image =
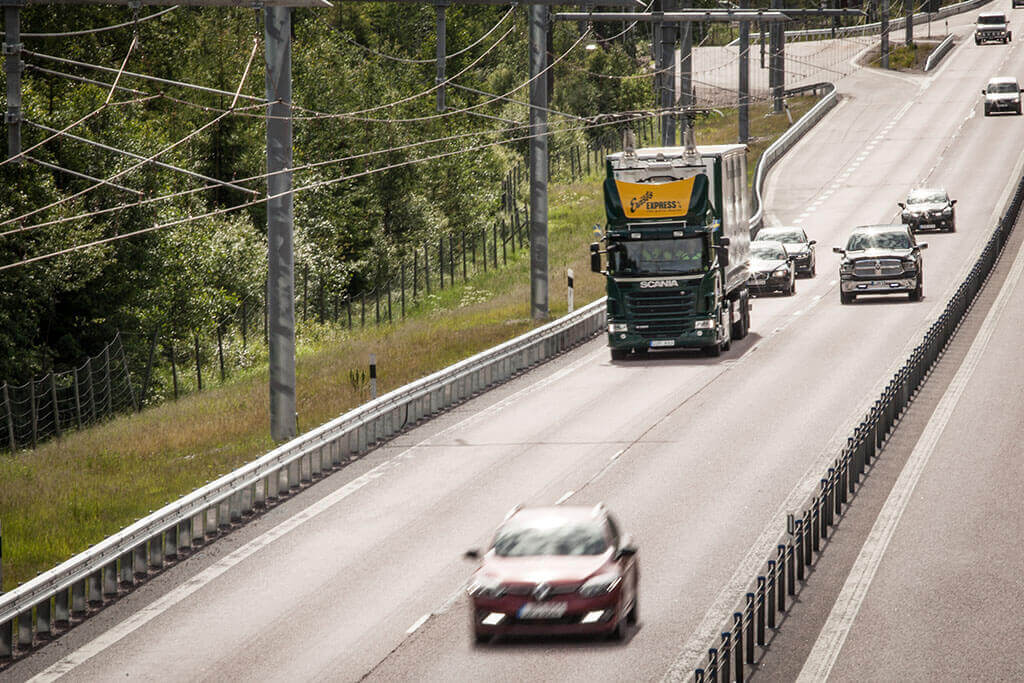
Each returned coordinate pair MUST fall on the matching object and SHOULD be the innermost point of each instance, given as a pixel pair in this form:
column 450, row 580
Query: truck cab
column 677, row 247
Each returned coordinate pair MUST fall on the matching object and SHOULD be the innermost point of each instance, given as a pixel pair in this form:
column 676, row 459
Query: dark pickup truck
column 880, row 259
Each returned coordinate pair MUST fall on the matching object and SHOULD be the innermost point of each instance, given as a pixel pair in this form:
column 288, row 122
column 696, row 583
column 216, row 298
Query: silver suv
column 992, row 27
column 1002, row 93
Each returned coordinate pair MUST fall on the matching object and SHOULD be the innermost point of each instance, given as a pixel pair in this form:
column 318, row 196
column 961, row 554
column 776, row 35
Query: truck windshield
column 650, row 257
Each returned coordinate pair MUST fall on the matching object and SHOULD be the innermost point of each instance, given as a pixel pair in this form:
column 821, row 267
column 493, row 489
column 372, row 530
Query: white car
column 1002, row 94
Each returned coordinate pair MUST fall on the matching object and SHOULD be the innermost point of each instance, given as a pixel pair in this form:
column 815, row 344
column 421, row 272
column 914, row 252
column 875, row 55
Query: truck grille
column 660, row 313
column 875, row 268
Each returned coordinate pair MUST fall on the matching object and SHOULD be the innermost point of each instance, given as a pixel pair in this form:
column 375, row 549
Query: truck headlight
column 705, row 324
column 617, row 327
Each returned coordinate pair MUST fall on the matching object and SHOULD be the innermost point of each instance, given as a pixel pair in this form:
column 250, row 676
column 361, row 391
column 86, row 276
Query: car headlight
column 618, row 327
column 780, row 274
column 602, row 583
column 909, row 265
column 845, row 268
column 704, row 324
column 948, row 211
column 486, row 587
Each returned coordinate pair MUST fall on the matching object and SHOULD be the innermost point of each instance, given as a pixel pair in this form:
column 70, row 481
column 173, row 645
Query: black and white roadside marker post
column 570, row 290
column 373, row 375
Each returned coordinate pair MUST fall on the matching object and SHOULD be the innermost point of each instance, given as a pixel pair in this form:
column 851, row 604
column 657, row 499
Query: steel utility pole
column 685, row 95
column 777, row 61
column 12, row 68
column 909, row 24
column 744, row 78
column 280, row 220
column 442, row 40
column 538, row 17
column 884, row 49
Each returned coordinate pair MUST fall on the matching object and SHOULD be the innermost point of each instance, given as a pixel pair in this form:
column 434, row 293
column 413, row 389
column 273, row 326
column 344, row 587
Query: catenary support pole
column 538, row 162
column 667, row 98
column 442, row 40
column 909, row 25
column 884, row 48
column 280, row 216
column 12, row 68
column 685, row 95
column 744, row 78
column 777, row 61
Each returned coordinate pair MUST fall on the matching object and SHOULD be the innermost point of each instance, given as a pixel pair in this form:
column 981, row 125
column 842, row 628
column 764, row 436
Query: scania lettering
column 676, row 244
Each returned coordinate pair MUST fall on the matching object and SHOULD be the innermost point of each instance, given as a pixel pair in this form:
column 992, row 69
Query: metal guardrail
column 785, row 142
column 797, row 549
column 57, row 598
column 938, row 53
column 65, row 594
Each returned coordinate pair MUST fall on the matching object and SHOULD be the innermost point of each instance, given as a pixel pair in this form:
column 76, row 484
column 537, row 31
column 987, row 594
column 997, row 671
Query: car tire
column 480, row 638
column 792, row 286
column 918, row 292
column 633, row 616
column 988, row 112
column 814, row 269
column 952, row 226
column 619, row 354
column 619, row 632
column 847, row 297
column 1018, row 110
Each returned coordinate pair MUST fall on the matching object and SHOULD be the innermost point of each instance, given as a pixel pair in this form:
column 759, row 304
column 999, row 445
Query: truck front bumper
column 694, row 339
column 880, row 286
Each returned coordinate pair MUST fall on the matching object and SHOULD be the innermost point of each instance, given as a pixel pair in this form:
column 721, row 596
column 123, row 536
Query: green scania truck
column 677, row 245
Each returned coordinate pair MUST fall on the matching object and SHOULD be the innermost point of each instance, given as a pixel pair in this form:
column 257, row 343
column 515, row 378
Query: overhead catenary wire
column 84, row 176
column 126, row 171
column 101, row 29
column 406, row 60
column 295, row 190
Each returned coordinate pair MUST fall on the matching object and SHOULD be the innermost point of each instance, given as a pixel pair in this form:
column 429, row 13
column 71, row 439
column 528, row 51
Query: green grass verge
column 70, row 493
column 902, row 57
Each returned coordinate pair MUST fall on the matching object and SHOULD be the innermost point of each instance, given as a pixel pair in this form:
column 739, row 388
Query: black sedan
column 796, row 244
column 771, row 268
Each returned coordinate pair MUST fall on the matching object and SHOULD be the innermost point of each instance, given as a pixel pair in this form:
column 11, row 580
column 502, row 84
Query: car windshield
column 1003, row 87
column 784, row 236
column 767, row 251
column 896, row 239
column 561, row 538
column 661, row 257
column 927, row 197
column 997, row 19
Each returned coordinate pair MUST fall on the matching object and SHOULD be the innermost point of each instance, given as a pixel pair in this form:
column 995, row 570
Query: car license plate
column 663, row 342
column 928, row 226
column 542, row 610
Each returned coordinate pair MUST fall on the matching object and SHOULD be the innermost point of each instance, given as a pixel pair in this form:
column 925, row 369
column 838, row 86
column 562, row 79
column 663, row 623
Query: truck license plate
column 663, row 342
column 542, row 610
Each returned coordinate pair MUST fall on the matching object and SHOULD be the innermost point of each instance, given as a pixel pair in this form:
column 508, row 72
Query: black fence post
column 749, row 616
column 78, row 397
column 56, row 406
column 737, row 627
column 726, row 656
column 770, row 593
column 760, row 610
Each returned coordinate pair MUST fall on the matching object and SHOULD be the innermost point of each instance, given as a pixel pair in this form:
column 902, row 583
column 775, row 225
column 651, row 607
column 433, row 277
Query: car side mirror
column 953, row 201
column 984, row 93
column 922, row 245
column 472, row 554
column 839, row 250
column 595, row 257
column 812, row 243
column 625, row 551
column 901, row 205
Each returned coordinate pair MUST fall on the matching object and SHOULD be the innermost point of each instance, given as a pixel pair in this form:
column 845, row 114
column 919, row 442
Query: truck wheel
column 742, row 326
column 847, row 297
column 619, row 354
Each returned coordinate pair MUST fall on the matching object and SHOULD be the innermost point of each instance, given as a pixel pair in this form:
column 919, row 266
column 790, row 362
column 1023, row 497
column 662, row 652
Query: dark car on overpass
column 555, row 570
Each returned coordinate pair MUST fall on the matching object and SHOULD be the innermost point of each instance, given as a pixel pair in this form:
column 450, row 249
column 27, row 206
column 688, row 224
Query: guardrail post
column 726, row 675
column 44, row 620
column 94, row 589
column 770, row 586
column 6, row 639
column 126, row 573
column 78, row 598
column 737, row 627
column 25, row 630
column 184, row 537
column 156, row 552
column 760, row 610
column 109, row 579
column 235, row 507
column 799, row 549
column 171, row 542
column 61, row 609
column 781, row 583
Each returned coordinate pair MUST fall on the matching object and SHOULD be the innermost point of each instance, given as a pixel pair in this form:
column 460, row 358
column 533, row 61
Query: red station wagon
column 554, row 571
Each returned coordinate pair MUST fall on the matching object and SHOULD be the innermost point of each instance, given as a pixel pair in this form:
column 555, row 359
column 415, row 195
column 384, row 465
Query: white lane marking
column 565, row 496
column 618, row 453
column 419, row 622
column 169, row 600
column 832, row 283
column 796, row 313
column 833, row 634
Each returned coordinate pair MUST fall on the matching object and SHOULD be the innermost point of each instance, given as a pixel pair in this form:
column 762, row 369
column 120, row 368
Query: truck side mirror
column 595, row 257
